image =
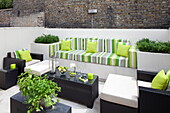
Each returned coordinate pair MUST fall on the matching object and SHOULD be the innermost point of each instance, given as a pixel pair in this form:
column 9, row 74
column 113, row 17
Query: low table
column 75, row 90
column 18, row 106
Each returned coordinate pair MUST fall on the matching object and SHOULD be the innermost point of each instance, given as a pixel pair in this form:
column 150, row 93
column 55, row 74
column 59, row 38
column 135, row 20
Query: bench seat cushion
column 120, row 89
column 98, row 58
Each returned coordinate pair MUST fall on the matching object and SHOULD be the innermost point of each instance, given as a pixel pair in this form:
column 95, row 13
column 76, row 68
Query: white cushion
column 39, row 68
column 144, row 84
column 34, row 61
column 120, row 89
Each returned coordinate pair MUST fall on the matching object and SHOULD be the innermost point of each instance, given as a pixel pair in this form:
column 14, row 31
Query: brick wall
column 111, row 13
column 74, row 13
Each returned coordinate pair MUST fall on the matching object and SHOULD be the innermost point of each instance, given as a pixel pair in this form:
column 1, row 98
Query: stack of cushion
column 116, row 52
column 24, row 54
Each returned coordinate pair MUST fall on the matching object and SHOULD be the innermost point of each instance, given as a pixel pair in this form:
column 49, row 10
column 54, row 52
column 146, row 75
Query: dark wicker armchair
column 152, row 100
column 20, row 63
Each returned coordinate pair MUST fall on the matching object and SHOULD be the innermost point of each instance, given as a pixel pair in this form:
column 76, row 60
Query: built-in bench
column 105, row 57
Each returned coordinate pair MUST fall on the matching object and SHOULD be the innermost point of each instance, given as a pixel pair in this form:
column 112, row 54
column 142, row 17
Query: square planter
column 153, row 62
column 17, row 105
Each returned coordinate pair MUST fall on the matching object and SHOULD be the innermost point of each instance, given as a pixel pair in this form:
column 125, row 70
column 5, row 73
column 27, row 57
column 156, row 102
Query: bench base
column 108, row 107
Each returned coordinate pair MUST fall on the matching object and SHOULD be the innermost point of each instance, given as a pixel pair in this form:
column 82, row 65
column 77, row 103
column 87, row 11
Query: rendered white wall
column 17, row 38
column 132, row 34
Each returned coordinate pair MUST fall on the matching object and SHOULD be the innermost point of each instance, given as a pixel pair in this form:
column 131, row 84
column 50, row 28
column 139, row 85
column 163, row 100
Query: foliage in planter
column 4, row 4
column 47, row 39
column 147, row 45
column 38, row 89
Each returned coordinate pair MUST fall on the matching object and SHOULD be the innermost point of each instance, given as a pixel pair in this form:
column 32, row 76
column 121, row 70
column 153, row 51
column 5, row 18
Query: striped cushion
column 16, row 54
column 99, row 58
column 53, row 48
column 66, row 54
column 110, row 45
column 80, row 43
column 132, row 57
column 76, row 43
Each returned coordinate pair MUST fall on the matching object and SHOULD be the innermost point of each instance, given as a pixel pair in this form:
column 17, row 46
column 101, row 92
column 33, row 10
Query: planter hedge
column 147, row 45
column 4, row 4
column 47, row 39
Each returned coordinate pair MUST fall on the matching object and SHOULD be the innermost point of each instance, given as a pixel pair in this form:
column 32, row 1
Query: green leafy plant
column 46, row 39
column 147, row 45
column 38, row 90
column 4, row 4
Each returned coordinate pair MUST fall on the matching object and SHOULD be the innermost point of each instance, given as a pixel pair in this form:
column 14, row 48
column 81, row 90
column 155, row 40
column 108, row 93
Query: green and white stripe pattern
column 132, row 57
column 16, row 53
column 110, row 45
column 53, row 48
column 105, row 55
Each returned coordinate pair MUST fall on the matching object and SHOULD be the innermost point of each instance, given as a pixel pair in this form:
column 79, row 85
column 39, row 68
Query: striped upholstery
column 110, row 45
column 132, row 58
column 16, row 54
column 53, row 48
column 105, row 55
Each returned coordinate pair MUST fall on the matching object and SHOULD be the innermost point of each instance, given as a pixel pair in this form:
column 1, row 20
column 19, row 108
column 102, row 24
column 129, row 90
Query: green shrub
column 4, row 4
column 8, row 3
column 39, row 91
column 147, row 45
column 47, row 39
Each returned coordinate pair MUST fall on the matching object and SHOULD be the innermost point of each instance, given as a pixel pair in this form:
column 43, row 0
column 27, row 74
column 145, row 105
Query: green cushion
column 123, row 50
column 65, row 45
column 168, row 74
column 91, row 47
column 17, row 55
column 160, row 81
column 25, row 55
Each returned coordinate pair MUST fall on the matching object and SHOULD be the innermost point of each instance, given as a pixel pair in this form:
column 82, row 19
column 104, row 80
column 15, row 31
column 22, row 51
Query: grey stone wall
column 27, row 7
column 5, row 16
column 32, row 20
column 111, row 13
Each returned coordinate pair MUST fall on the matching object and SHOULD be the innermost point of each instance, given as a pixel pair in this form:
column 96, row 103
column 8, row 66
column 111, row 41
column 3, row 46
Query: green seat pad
column 160, row 81
column 25, row 55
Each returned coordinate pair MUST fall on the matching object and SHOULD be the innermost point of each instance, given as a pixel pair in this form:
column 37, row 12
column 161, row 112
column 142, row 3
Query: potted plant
column 38, row 90
column 153, row 55
column 41, row 44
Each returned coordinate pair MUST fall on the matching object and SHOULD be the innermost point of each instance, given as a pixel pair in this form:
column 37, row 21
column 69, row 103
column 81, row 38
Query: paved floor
column 76, row 108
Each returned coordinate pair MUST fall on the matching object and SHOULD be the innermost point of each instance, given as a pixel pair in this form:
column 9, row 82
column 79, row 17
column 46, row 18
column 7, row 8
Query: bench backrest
column 104, row 45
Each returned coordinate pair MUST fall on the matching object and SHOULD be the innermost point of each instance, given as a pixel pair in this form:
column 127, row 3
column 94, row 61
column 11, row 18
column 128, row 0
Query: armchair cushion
column 34, row 61
column 25, row 55
column 160, row 81
column 16, row 53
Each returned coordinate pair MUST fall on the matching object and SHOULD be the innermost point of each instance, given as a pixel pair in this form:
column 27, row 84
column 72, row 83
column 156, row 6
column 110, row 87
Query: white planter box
column 153, row 62
column 41, row 48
